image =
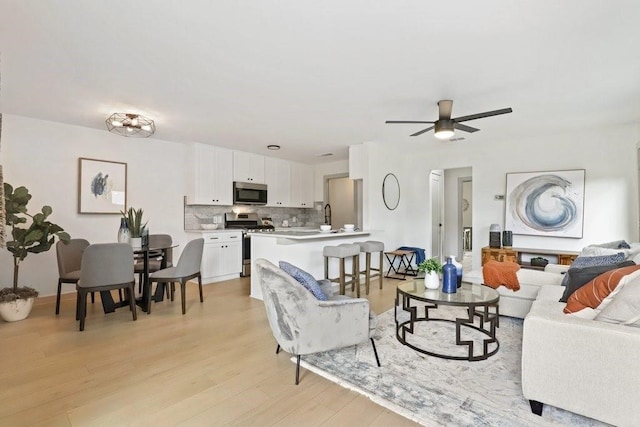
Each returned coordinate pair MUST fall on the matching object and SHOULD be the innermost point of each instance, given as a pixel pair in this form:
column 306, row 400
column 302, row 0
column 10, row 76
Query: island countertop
column 298, row 236
column 302, row 248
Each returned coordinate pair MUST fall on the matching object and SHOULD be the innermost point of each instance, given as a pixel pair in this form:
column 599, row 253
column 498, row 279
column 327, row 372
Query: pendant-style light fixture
column 127, row 124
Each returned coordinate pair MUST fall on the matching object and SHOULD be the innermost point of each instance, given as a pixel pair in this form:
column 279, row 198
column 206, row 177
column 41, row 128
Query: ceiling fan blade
column 444, row 108
column 464, row 127
column 422, row 131
column 404, row 121
column 481, row 115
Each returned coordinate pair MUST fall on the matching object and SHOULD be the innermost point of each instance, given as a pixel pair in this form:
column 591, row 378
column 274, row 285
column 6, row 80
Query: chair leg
column 367, row 272
column 200, row 286
column 82, row 296
column 380, row 268
column 298, row 370
column 183, row 294
column 93, row 297
column 355, row 276
column 77, row 304
column 342, row 281
column 58, row 296
column 278, row 349
column 373, row 343
column 132, row 300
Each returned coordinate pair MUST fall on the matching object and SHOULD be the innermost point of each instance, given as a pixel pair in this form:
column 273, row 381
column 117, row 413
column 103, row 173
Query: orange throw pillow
column 594, row 292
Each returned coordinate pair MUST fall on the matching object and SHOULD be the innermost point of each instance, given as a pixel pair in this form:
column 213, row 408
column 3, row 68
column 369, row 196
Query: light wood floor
column 216, row 365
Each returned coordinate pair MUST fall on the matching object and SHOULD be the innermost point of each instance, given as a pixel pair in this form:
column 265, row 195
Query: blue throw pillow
column 305, row 279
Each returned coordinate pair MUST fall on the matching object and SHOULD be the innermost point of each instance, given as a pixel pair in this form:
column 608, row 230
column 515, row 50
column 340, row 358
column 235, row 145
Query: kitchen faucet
column 327, row 213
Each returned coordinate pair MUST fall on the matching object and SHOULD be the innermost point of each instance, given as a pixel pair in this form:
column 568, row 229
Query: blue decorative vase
column 458, row 266
column 449, row 277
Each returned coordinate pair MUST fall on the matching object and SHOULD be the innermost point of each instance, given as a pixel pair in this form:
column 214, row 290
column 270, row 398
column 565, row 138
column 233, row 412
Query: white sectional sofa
column 584, row 366
column 518, row 303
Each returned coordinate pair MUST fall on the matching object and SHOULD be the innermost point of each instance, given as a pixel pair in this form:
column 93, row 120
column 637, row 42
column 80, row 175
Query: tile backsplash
column 194, row 215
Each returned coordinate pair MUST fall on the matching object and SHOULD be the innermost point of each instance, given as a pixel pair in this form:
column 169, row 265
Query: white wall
column 611, row 189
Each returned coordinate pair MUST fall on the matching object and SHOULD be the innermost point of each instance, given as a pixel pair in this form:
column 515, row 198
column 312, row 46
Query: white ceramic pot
column 431, row 280
column 16, row 310
column 135, row 242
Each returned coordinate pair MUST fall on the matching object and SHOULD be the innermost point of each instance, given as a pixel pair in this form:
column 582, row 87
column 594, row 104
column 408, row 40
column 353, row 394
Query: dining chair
column 69, row 260
column 156, row 257
column 105, row 266
column 188, row 267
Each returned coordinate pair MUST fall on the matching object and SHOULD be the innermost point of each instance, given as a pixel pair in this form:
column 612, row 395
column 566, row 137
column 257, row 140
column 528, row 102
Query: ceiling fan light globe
column 443, row 129
column 444, row 134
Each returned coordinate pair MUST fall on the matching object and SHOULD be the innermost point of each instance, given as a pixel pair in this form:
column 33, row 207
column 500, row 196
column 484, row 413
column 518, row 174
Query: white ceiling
column 318, row 76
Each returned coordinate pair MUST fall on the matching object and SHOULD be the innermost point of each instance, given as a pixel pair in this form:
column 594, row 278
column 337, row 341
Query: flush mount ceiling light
column 127, row 124
column 273, row 147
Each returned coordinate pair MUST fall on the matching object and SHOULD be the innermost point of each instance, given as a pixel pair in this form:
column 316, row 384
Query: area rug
column 439, row 392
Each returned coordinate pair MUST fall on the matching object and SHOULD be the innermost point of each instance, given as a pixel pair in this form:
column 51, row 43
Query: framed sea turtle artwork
column 102, row 186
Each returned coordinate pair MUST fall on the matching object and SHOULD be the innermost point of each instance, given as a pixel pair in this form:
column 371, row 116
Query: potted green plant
column 431, row 267
column 133, row 217
column 36, row 236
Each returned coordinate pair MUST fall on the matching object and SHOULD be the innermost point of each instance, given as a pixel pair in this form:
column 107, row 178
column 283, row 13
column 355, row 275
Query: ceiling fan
column 445, row 125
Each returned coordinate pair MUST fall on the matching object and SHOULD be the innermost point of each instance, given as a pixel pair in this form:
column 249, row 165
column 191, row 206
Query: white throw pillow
column 624, row 308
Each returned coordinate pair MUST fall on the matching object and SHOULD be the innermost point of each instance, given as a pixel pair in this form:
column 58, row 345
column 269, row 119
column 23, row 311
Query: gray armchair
column 302, row 324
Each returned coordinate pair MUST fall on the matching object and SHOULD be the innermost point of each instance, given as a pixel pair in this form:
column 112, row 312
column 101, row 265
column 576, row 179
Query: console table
column 515, row 255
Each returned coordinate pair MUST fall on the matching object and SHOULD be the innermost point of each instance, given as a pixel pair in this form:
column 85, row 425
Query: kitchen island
column 301, row 248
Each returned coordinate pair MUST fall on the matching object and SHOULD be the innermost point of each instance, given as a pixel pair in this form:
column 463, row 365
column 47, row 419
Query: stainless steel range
column 249, row 223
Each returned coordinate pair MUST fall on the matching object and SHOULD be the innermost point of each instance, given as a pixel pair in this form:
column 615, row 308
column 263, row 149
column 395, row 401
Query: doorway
column 452, row 213
column 343, row 201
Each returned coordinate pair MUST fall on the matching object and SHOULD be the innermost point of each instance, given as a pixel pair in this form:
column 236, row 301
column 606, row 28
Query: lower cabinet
column 221, row 257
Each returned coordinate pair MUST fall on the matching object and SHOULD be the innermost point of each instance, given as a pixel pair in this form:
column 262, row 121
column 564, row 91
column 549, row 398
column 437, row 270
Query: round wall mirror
column 391, row 191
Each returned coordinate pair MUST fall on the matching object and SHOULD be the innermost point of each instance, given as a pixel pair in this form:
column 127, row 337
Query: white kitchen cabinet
column 222, row 256
column 211, row 176
column 301, row 186
column 277, row 174
column 248, row 167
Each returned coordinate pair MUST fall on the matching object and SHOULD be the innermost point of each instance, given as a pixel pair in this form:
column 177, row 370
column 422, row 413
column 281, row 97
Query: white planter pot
column 16, row 310
column 135, row 242
column 431, row 280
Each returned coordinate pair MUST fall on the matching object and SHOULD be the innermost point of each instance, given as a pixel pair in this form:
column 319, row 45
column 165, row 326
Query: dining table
column 144, row 253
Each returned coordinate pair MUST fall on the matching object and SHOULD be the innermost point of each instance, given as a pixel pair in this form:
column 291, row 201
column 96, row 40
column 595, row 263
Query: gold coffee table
column 481, row 303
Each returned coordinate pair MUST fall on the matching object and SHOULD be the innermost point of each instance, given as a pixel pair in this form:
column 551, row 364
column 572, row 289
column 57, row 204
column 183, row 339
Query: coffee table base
column 489, row 321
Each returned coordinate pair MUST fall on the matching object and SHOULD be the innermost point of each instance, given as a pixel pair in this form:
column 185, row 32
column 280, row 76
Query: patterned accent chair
column 302, row 324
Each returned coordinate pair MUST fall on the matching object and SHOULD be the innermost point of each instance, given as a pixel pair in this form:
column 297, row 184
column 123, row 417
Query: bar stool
column 368, row 248
column 342, row 252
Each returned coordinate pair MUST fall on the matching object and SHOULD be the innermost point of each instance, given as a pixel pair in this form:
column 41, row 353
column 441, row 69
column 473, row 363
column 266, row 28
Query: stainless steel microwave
column 248, row 193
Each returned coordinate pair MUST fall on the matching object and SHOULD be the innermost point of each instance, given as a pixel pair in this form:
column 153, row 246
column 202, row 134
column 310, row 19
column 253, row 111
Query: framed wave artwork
column 545, row 203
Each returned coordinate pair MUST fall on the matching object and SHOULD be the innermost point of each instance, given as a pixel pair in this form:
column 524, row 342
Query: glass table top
column 466, row 294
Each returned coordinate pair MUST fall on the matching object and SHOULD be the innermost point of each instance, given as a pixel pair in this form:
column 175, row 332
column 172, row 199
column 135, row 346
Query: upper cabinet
column 248, row 167
column 211, row 181
column 301, row 185
column 277, row 174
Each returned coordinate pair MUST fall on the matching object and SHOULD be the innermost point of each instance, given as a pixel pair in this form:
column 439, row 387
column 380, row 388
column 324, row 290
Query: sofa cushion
column 578, row 277
column 625, row 307
column 305, row 279
column 598, row 292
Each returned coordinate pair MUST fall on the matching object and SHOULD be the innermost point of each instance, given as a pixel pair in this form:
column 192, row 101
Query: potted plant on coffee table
column 431, row 267
column 133, row 217
column 30, row 234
